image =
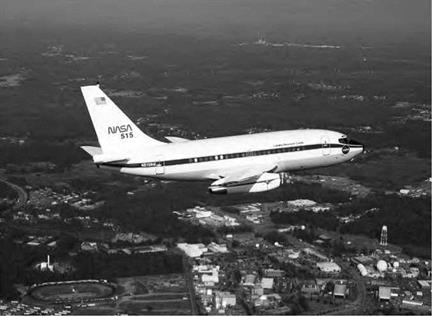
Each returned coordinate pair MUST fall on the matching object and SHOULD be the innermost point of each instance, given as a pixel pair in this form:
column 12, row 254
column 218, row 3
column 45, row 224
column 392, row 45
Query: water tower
column 384, row 236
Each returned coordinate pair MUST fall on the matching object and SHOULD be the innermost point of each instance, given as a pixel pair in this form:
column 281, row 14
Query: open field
column 154, row 294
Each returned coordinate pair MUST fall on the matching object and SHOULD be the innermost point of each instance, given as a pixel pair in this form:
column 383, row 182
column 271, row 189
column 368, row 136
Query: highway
column 22, row 194
column 190, row 285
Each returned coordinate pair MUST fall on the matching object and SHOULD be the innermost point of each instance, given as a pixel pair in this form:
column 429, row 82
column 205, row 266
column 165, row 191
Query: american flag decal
column 100, row 101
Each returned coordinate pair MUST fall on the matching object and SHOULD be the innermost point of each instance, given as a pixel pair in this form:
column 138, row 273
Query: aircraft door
column 159, row 167
column 326, row 147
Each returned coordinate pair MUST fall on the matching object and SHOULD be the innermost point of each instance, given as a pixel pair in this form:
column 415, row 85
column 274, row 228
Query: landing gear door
column 159, row 167
column 326, row 147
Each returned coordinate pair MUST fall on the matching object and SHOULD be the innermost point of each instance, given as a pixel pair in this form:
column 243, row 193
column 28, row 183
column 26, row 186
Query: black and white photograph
column 215, row 157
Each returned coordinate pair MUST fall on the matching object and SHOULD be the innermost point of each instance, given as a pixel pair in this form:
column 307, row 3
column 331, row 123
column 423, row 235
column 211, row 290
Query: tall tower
column 384, row 236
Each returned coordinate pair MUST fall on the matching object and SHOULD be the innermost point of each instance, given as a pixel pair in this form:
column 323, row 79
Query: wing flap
column 242, row 175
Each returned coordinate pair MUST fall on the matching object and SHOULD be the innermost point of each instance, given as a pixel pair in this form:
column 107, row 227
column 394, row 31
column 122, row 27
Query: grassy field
column 154, row 294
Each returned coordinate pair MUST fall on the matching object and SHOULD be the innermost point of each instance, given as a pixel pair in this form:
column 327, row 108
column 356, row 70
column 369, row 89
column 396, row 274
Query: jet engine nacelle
column 265, row 182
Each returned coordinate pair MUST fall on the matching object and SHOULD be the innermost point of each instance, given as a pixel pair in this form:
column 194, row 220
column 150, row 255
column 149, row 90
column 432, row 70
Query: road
column 22, row 194
column 190, row 285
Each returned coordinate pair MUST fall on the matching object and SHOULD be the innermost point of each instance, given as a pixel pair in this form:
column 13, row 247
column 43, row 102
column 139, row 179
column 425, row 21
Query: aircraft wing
column 176, row 139
column 225, row 177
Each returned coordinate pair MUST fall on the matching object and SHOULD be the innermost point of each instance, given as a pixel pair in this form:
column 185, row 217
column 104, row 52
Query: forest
column 408, row 220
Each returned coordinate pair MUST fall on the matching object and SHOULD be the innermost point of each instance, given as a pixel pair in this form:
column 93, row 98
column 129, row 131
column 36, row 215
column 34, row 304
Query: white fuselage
column 203, row 159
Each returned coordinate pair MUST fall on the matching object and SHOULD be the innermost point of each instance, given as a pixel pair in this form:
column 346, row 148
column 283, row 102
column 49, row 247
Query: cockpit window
column 350, row 142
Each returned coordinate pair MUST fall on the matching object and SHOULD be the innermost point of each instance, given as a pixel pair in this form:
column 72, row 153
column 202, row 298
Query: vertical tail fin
column 115, row 131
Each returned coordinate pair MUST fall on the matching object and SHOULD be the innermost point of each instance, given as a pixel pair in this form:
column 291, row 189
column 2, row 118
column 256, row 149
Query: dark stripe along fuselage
column 218, row 157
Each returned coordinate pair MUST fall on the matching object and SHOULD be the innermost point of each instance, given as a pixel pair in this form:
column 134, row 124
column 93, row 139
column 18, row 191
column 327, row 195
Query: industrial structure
column 384, row 236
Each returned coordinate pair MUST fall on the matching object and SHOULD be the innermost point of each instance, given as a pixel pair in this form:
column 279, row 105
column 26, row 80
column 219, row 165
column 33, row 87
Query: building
column 426, row 284
column 267, row 283
column 315, row 253
column 325, row 238
column 257, row 290
column 409, row 304
column 362, row 269
column 213, row 278
column 384, row 293
column 404, row 191
column 340, row 290
column 204, row 269
column 262, row 301
column 192, row 250
column 217, row 248
column 224, row 299
column 329, row 267
column 301, row 203
column 273, row 273
column 310, row 289
column 89, row 246
column 249, row 280
column 45, row 266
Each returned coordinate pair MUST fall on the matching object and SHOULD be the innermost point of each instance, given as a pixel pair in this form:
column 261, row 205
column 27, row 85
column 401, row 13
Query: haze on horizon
column 334, row 21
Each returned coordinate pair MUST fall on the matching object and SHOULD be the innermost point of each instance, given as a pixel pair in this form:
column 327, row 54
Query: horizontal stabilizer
column 99, row 157
column 92, row 150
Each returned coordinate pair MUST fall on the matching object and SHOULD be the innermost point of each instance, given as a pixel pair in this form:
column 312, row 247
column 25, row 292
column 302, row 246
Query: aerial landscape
column 348, row 239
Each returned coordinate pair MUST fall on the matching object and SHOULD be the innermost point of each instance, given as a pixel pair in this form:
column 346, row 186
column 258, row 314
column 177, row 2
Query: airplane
column 233, row 164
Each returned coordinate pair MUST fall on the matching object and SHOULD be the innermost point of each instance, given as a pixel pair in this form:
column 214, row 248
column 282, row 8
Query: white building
column 45, row 266
column 302, row 203
column 224, row 299
column 192, row 250
column 217, row 248
column 317, row 209
column 89, row 246
column 404, row 191
column 329, row 267
column 362, row 269
column 384, row 293
column 340, row 290
column 213, row 277
column 267, row 283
